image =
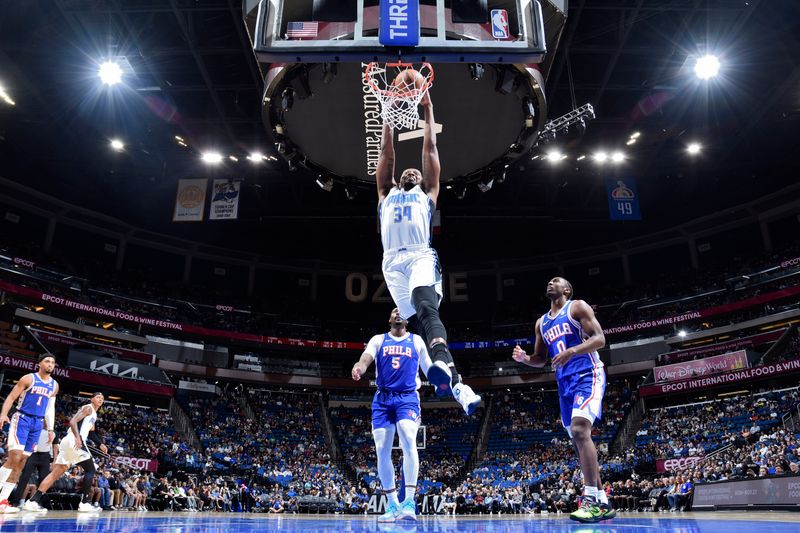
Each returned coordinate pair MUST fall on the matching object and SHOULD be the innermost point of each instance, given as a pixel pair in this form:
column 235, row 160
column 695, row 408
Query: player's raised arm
column 431, row 169
column 384, row 175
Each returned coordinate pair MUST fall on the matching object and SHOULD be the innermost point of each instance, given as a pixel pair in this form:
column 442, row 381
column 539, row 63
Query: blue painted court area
column 182, row 523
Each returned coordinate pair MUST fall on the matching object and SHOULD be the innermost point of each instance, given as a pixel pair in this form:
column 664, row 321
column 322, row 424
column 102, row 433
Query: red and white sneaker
column 7, row 508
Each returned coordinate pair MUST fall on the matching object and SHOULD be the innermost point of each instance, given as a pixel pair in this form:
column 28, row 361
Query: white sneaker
column 88, row 508
column 10, row 509
column 464, row 395
column 33, row 507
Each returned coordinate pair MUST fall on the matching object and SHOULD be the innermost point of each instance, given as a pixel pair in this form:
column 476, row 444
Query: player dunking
column 570, row 336
column 398, row 356
column 36, row 393
column 72, row 451
column 410, row 265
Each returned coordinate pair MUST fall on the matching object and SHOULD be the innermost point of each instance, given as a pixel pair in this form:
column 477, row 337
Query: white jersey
column 405, row 218
column 67, row 453
column 87, row 424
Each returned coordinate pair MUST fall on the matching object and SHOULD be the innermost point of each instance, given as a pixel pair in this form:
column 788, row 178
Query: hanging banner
column 623, row 201
column 190, row 201
column 225, row 200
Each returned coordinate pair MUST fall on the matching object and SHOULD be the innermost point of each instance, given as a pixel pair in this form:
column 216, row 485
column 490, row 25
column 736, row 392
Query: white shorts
column 405, row 269
column 68, row 455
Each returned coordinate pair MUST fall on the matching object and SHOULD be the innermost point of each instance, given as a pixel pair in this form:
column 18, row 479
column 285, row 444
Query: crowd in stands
column 138, row 293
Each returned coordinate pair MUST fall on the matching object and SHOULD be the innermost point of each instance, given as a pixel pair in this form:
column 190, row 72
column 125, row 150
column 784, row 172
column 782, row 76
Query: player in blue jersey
column 398, row 356
column 569, row 336
column 35, row 396
column 410, row 265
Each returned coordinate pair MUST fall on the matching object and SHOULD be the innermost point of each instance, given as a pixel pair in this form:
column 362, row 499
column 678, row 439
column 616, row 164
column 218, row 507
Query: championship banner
column 63, row 341
column 190, row 201
column 151, row 465
column 759, row 372
column 701, row 367
column 738, row 344
column 89, row 378
column 670, row 465
column 225, row 200
column 623, row 201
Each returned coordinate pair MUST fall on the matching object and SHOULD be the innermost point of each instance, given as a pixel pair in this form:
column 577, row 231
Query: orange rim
column 396, row 94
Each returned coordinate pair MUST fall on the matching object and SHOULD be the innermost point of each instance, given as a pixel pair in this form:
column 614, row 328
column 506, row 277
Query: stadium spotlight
column 255, row 157
column 476, row 71
column 325, row 183
column 110, row 73
column 707, row 67
column 117, row 145
column 635, row 135
column 4, row 96
column 211, row 158
column 694, row 148
column 682, row 333
column 554, row 156
column 600, row 157
column 617, row 157
column 631, row 141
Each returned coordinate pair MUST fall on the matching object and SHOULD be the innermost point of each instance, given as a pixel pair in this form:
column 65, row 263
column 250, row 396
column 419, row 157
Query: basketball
column 408, row 80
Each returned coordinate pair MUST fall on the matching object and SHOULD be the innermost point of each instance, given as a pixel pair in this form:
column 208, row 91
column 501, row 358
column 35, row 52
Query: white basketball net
column 398, row 102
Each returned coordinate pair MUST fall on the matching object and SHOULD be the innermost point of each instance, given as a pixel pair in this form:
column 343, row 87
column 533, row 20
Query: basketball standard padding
column 408, row 80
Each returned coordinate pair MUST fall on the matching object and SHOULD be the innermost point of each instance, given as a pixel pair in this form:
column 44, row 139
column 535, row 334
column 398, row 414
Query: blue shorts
column 23, row 433
column 388, row 408
column 581, row 395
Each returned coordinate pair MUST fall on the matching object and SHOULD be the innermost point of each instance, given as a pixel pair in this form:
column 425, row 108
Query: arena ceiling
column 190, row 72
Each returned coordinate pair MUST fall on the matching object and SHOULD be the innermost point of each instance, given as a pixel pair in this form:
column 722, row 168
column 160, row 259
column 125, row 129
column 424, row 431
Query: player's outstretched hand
column 357, row 372
column 78, row 443
column 4, row 420
column 519, row 355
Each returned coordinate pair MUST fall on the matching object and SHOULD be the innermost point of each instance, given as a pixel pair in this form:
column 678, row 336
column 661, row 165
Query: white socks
column 407, row 430
column 6, row 491
column 4, row 473
column 393, row 498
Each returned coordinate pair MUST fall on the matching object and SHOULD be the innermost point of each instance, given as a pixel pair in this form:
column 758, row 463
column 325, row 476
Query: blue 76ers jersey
column 33, row 401
column 564, row 332
column 397, row 364
column 405, row 218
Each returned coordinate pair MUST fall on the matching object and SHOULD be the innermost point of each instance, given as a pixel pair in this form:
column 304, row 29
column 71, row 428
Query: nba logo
column 500, row 24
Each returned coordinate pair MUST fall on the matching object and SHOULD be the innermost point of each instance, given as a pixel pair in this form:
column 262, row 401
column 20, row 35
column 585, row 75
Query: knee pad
column 426, row 304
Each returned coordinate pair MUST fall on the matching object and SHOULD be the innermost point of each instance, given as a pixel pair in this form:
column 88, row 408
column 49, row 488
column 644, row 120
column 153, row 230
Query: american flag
column 302, row 29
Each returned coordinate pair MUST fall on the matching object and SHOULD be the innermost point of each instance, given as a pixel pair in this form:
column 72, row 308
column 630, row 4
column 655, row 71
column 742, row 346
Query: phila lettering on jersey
column 396, row 361
column 562, row 332
column 33, row 402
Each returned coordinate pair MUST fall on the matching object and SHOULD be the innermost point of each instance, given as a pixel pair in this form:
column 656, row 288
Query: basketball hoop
column 399, row 87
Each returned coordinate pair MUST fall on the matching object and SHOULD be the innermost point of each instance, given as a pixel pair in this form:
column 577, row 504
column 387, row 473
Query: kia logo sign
column 113, row 369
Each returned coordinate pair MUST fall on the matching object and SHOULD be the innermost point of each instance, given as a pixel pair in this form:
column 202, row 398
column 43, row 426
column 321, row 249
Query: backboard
column 490, row 31
column 488, row 91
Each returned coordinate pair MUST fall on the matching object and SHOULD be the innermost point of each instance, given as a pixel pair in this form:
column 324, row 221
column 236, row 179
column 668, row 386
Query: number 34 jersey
column 405, row 218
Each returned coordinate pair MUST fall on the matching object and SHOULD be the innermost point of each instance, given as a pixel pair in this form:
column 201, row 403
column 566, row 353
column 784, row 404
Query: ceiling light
column 233, row 158
column 601, row 157
column 682, row 333
column 212, row 158
column 617, row 157
column 635, row 135
column 694, row 148
column 631, row 141
column 179, row 138
column 581, row 157
column 707, row 67
column 554, row 156
column 4, row 96
column 255, row 157
column 117, row 145
column 110, row 73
